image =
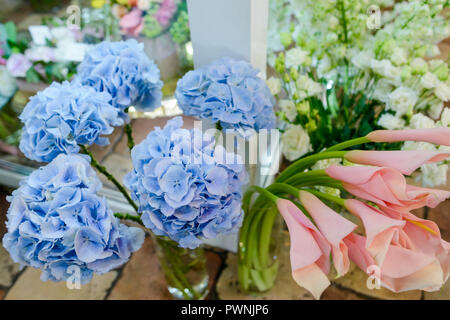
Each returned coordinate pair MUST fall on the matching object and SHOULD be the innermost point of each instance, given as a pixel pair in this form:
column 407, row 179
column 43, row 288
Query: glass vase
column 184, row 269
column 259, row 251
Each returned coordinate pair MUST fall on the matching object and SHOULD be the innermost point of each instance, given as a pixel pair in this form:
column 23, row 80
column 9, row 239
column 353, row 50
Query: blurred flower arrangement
column 346, row 68
column 150, row 18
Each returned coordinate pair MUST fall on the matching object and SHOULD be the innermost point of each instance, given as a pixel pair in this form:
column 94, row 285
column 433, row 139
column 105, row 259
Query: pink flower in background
column 309, row 252
column 165, row 12
column 132, row 23
column 18, row 65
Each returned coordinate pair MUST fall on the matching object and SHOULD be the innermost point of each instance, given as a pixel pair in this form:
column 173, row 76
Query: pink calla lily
column 332, row 226
column 404, row 161
column 439, row 135
column 309, row 251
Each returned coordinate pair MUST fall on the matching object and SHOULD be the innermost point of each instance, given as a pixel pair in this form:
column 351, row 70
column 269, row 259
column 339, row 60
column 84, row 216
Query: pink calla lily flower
column 386, row 187
column 332, row 226
column 309, row 251
column 439, row 135
column 132, row 23
column 404, row 161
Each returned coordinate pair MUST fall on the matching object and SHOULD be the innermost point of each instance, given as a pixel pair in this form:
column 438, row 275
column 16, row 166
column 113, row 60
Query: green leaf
column 11, row 32
column 32, row 76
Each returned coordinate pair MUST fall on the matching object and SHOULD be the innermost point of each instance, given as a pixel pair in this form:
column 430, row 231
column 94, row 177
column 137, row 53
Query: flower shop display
column 341, row 73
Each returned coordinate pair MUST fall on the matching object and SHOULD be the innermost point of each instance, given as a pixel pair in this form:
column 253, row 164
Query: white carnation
column 401, row 100
column 390, row 122
column 295, row 143
column 289, row 109
column 274, row 85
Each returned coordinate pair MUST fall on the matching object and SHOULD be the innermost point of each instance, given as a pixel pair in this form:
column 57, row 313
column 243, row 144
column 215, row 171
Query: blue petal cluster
column 57, row 222
column 124, row 71
column 59, row 118
column 229, row 92
column 187, row 188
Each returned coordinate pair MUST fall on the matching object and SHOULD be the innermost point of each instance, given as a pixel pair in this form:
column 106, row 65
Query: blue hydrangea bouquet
column 186, row 187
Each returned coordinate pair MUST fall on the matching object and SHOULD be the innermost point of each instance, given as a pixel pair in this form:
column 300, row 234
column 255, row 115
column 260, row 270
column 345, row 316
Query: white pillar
column 234, row 28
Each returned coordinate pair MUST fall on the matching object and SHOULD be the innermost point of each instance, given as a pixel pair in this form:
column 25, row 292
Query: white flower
column 289, row 109
column 363, row 60
column 445, row 117
column 436, row 109
column 390, row 122
column 309, row 86
column 419, row 66
column 401, row 100
column 295, row 143
column 41, row 53
column 433, row 174
column 413, row 145
column 62, row 35
column 385, row 69
column 8, row 84
column 399, row 56
column 382, row 90
column 274, row 85
column 326, row 163
column 429, row 80
column 442, row 91
column 295, row 57
column 143, row 5
column 420, row 121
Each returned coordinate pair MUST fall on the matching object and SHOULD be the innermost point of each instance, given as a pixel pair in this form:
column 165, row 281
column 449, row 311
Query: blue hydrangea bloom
column 56, row 221
column 228, row 92
column 59, row 118
column 124, row 71
column 187, row 188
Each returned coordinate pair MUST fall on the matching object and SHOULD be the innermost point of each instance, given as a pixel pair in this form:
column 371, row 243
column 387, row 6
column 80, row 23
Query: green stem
column 127, row 216
column 129, row 132
column 327, row 196
column 348, row 144
column 265, row 193
column 301, row 164
column 109, row 176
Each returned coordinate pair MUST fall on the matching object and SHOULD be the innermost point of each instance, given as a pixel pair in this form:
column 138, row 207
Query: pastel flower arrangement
column 345, row 77
column 149, row 18
column 402, row 251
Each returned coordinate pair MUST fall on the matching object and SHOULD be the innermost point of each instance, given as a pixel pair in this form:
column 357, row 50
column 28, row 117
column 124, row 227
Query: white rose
column 390, row 122
column 399, row 56
column 420, row 121
column 401, row 100
column 274, row 85
column 289, row 109
column 433, row 174
column 429, row 80
column 445, row 117
column 435, row 110
column 295, row 143
column 442, row 91
column 295, row 57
